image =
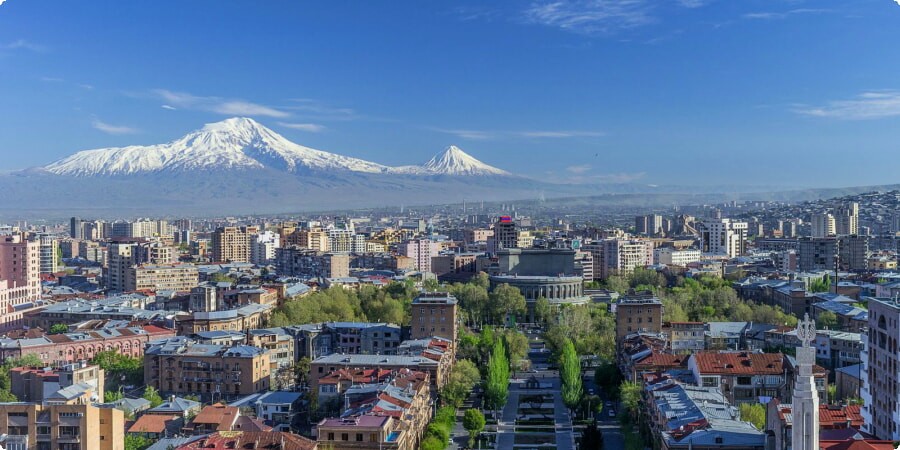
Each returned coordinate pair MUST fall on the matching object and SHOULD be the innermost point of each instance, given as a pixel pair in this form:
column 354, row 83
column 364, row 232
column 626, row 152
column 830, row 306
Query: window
column 359, row 437
column 330, row 436
column 345, row 437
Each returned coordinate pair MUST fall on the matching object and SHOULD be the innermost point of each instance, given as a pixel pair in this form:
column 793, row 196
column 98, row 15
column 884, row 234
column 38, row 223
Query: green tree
column 506, row 303
column 608, row 378
column 301, row 371
column 570, row 375
column 497, row 386
column 136, row 442
column 431, row 285
column 120, row 369
column 617, row 284
column 630, row 395
column 473, row 422
column 591, row 438
column 827, row 319
column 463, row 377
column 432, row 443
column 755, row 413
column 152, row 396
column 112, row 396
column 59, row 328
column 483, row 280
column 542, row 310
column 473, row 300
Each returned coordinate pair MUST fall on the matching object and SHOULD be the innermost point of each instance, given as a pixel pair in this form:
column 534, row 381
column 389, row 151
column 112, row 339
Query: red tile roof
column 866, row 444
column 734, row 363
column 262, row 440
column 222, row 416
column 662, row 360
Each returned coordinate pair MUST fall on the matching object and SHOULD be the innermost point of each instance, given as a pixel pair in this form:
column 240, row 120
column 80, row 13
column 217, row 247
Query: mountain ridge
column 243, row 143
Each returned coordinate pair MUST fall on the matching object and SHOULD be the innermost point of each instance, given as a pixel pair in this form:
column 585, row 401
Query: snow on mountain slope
column 454, row 161
column 236, row 143
column 242, row 143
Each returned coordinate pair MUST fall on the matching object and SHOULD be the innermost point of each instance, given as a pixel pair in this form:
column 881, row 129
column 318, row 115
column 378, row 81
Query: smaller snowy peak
column 454, row 161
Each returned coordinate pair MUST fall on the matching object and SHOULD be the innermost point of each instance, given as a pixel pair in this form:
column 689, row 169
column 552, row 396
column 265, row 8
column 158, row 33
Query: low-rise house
column 741, row 376
column 36, row 384
column 157, row 426
column 212, row 418
column 277, row 409
column 259, row 440
column 178, row 406
column 779, row 421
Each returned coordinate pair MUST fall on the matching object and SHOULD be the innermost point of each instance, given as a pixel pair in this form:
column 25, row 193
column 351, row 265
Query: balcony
column 72, row 438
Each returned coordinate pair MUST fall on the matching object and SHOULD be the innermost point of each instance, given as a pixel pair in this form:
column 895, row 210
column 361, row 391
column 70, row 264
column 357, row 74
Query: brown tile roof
column 734, row 363
column 152, row 423
column 662, row 360
column 867, row 444
column 222, row 416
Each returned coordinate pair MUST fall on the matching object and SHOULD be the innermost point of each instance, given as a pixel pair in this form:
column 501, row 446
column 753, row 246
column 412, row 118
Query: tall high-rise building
column 232, row 244
column 421, row 251
column 723, row 237
column 822, row 225
column 49, row 253
column 20, row 277
column 263, row 246
column 76, row 230
column 505, row 235
column 847, row 219
column 120, row 256
column 618, row 256
column 651, row 224
column 881, row 370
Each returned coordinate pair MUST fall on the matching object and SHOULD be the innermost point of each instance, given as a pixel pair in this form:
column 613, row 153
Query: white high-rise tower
column 805, row 405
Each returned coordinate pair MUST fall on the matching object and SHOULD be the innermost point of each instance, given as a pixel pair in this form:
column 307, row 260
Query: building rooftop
column 732, row 363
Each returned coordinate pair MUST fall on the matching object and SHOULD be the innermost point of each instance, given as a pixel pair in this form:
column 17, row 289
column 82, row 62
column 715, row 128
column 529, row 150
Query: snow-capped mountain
column 236, row 143
column 242, row 143
column 452, row 161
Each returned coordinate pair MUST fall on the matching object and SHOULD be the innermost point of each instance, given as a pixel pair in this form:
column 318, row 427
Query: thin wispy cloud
column 308, row 127
column 169, row 107
column 314, row 109
column 591, row 16
column 219, row 105
column 579, row 169
column 481, row 135
column 868, row 105
column 784, row 14
column 113, row 129
column 22, row 44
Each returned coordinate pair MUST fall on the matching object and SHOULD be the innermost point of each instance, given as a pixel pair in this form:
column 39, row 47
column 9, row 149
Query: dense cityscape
column 457, row 225
column 753, row 325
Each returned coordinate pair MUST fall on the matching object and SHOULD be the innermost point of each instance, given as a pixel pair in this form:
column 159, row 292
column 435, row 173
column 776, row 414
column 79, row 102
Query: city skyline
column 711, row 91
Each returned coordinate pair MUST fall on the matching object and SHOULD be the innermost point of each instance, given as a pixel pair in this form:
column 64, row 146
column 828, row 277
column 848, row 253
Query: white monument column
column 805, row 405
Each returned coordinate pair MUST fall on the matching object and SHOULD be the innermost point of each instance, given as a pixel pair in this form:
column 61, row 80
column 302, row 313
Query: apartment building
column 822, row 225
column 671, row 256
column 420, row 251
column 232, row 244
column 723, row 237
column 63, row 426
column 301, row 262
column 618, row 256
column 20, row 278
column 638, row 315
column 36, row 384
column 67, row 348
column 881, row 370
column 180, row 366
column 173, row 277
column 434, row 314
column 244, row 318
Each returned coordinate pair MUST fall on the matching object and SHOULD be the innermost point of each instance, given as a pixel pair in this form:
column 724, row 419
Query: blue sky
column 746, row 92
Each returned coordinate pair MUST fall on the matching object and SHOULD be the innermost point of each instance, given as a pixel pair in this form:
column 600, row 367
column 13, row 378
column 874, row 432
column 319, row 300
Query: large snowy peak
column 236, row 143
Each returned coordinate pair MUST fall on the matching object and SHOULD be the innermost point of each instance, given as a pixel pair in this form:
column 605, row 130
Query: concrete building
column 820, row 253
column 120, row 256
column 619, row 256
column 505, row 235
column 881, row 370
column 638, row 315
column 421, row 251
column 434, row 314
column 455, row 266
column 37, row 384
column 20, row 278
column 822, row 225
column 723, row 237
column 180, row 366
column 438, row 369
column 232, row 244
column 673, row 257
column 63, row 426
column 300, row 262
column 173, row 277
column 263, row 246
column 847, row 219
column 49, row 253
column 315, row 239
column 649, row 225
